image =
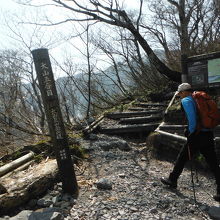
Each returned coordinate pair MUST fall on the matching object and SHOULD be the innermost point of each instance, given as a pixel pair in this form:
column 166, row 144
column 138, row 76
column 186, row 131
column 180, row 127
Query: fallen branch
column 20, row 168
column 16, row 163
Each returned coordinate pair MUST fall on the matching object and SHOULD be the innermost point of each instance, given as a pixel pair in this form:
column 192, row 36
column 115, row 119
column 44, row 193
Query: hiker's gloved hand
column 186, row 132
column 191, row 137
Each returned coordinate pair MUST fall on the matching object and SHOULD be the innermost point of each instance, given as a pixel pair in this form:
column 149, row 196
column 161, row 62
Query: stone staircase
column 138, row 120
column 144, row 118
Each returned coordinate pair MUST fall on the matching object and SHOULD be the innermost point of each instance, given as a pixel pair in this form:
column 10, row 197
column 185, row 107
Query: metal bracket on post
column 55, row 120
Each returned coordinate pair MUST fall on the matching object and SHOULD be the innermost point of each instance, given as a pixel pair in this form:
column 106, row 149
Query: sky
column 9, row 9
column 50, row 37
column 7, row 5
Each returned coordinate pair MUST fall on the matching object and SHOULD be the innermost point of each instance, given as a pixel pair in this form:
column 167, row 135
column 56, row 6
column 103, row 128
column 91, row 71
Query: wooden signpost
column 55, row 120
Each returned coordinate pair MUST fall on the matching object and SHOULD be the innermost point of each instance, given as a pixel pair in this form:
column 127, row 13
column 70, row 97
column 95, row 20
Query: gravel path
column 137, row 193
column 121, row 181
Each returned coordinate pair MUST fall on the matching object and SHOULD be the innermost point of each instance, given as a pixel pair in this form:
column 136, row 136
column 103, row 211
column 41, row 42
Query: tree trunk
column 159, row 65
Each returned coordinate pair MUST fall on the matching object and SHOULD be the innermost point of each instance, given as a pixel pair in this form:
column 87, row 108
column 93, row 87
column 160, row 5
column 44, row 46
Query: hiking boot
column 168, row 182
column 217, row 197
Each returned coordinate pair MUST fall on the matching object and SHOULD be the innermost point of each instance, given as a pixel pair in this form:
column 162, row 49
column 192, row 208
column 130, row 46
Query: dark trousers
column 202, row 142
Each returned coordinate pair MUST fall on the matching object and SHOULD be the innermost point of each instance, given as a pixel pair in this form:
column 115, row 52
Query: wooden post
column 55, row 120
column 184, row 76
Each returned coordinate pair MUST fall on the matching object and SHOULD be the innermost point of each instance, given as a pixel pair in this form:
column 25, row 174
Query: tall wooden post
column 184, row 76
column 55, row 120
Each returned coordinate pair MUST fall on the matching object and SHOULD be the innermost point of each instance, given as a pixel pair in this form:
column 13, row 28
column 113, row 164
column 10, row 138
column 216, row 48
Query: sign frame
column 202, row 70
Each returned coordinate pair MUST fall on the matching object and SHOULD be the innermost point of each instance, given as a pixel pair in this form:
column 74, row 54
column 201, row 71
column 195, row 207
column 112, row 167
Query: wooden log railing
column 93, row 125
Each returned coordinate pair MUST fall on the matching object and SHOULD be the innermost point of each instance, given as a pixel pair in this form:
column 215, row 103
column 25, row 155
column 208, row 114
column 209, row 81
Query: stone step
column 140, row 120
column 118, row 115
column 142, row 104
column 142, row 109
column 129, row 129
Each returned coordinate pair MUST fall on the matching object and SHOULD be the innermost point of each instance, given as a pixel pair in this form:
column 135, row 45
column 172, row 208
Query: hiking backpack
column 208, row 113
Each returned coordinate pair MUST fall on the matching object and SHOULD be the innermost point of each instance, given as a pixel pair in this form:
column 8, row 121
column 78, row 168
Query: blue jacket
column 189, row 107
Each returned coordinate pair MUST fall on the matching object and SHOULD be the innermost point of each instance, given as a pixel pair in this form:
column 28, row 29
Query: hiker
column 198, row 140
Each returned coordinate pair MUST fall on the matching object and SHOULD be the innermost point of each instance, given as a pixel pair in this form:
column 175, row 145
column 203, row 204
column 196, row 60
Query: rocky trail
column 120, row 184
column 120, row 180
column 130, row 188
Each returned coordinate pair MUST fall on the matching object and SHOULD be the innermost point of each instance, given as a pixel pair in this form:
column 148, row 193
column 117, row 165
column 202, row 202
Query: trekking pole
column 197, row 177
column 191, row 168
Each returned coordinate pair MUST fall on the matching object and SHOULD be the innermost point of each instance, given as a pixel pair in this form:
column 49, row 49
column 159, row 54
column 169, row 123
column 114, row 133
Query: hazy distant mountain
column 76, row 96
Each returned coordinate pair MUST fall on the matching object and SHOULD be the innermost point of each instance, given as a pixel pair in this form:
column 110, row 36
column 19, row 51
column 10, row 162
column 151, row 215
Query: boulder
column 41, row 214
column 104, row 184
column 27, row 184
